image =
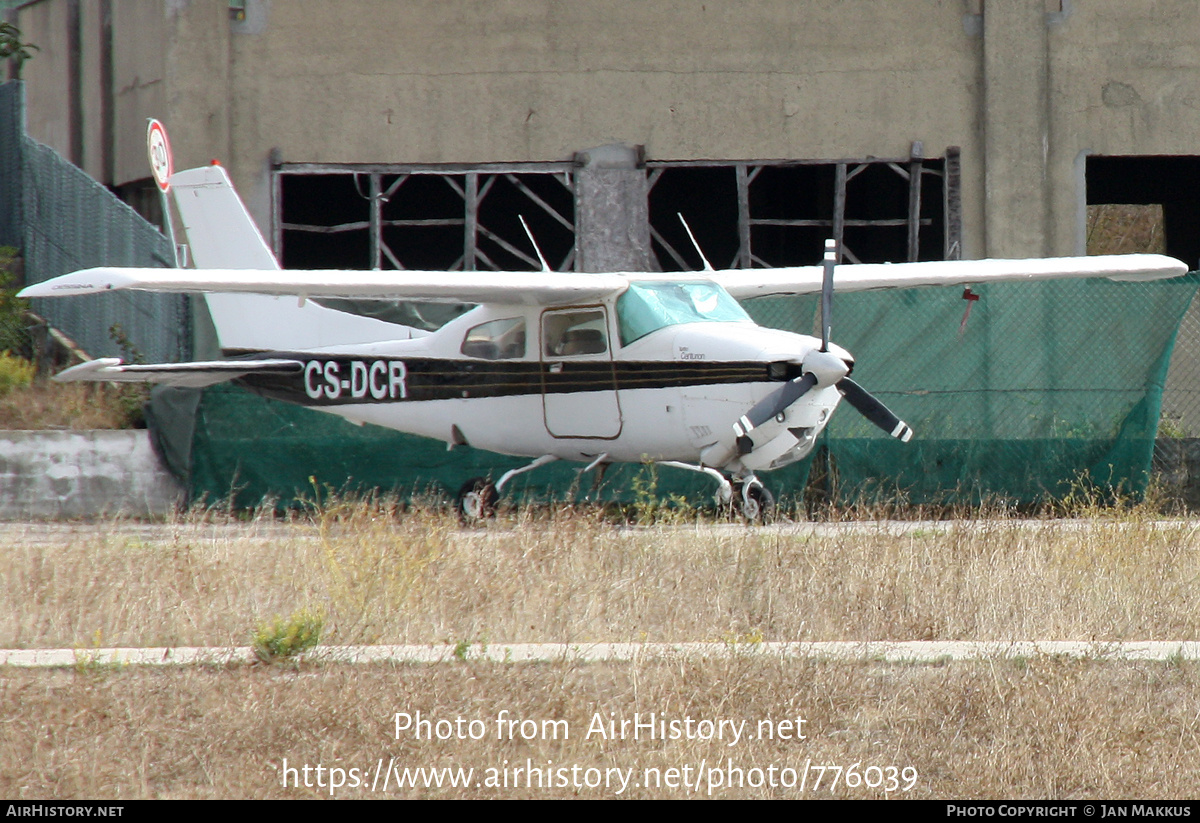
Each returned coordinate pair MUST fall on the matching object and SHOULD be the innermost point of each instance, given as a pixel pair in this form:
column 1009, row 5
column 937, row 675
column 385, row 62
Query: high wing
column 191, row 375
column 744, row 283
column 533, row 288
column 559, row 288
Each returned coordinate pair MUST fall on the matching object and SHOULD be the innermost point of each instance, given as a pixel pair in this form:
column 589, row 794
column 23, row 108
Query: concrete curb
column 891, row 652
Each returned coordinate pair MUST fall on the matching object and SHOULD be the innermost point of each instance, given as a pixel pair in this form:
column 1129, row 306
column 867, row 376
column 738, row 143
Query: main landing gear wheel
column 476, row 501
column 758, row 504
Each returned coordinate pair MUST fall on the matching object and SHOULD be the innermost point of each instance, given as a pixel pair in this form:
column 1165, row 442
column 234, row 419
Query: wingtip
column 86, row 281
column 91, row 370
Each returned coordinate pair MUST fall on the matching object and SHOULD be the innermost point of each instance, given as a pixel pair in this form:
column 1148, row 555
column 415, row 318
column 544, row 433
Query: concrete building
column 371, row 132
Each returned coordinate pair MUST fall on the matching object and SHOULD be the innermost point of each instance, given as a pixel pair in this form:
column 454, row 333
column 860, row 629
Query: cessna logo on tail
column 377, row 379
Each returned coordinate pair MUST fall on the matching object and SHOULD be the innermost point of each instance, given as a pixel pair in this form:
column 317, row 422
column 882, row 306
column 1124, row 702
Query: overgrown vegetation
column 369, row 572
column 12, row 47
column 376, row 574
column 1120, row 228
column 30, row 402
column 15, row 372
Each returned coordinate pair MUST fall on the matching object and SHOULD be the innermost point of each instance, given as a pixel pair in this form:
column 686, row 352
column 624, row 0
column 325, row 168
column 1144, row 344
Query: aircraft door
column 579, row 385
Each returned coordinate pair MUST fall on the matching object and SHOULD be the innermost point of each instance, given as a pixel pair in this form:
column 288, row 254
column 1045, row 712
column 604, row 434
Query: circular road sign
column 162, row 165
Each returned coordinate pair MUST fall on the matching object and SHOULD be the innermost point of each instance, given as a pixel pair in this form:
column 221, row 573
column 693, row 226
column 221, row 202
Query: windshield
column 649, row 306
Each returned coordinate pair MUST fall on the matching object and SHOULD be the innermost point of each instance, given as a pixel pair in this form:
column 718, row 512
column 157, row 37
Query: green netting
column 246, row 449
column 1049, row 383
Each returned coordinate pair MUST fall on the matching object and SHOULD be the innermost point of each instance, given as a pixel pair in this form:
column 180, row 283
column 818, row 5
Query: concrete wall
column 1125, row 81
column 442, row 81
column 82, row 474
column 1027, row 88
column 139, row 83
column 47, row 73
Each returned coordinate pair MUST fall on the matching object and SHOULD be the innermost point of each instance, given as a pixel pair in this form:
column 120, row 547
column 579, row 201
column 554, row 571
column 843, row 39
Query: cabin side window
column 496, row 339
column 570, row 333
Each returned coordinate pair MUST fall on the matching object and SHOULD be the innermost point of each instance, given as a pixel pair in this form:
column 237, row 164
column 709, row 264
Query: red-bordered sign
column 162, row 165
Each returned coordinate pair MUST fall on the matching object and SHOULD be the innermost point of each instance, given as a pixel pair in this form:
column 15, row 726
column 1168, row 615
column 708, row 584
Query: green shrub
column 14, row 326
column 284, row 639
column 15, row 372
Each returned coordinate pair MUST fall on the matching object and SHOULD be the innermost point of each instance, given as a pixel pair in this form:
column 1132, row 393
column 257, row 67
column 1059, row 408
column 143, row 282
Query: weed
column 1171, row 426
column 12, row 49
column 14, row 324
column 644, row 486
column 87, row 661
column 284, row 639
column 746, row 641
column 462, row 649
column 15, row 372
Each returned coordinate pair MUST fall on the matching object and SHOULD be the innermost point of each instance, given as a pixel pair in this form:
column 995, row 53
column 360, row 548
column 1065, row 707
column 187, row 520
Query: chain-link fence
column 63, row 221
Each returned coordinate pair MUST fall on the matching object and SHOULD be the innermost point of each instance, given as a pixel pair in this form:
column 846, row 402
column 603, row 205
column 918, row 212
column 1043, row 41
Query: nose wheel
column 757, row 504
column 476, row 501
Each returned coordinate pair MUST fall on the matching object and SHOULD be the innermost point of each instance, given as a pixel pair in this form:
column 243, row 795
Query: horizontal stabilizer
column 189, row 375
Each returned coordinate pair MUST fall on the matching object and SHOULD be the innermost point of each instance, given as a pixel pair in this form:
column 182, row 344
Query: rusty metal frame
column 911, row 168
column 477, row 181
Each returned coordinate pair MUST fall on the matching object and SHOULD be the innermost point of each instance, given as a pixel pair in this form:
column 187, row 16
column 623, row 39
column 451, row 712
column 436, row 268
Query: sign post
column 162, row 166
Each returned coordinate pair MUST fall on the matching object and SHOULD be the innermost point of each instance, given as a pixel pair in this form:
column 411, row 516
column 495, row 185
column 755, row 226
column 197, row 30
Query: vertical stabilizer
column 222, row 235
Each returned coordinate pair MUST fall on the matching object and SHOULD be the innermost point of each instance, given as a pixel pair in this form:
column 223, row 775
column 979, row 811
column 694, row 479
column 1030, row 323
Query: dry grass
column 75, row 406
column 1038, row 728
column 1126, row 229
column 572, row 577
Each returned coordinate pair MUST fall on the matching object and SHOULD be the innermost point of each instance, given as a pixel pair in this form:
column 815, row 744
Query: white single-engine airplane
column 595, row 368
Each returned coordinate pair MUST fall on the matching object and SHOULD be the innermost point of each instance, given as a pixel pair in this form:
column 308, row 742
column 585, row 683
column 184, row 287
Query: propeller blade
column 873, row 410
column 827, row 264
column 771, row 406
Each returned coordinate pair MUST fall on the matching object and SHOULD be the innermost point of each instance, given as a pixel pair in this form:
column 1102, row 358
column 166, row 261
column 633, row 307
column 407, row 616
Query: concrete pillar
column 612, row 220
column 1016, row 128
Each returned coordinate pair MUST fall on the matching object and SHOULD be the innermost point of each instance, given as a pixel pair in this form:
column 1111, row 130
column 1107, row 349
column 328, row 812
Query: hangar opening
column 743, row 214
column 409, row 217
column 780, row 213
column 1171, row 183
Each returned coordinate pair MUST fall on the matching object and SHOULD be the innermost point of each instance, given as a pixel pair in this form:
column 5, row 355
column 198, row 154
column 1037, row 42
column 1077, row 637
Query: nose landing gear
column 757, row 504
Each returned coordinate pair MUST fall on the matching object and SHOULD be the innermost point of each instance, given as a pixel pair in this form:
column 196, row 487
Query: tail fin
column 222, row 235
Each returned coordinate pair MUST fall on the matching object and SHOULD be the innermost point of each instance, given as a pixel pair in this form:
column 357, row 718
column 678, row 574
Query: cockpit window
column 649, row 306
column 496, row 339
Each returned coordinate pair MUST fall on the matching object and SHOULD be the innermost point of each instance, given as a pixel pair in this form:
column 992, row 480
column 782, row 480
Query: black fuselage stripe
column 342, row 379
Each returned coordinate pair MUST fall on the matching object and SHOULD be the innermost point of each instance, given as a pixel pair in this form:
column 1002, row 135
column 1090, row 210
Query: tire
column 476, row 501
column 758, row 504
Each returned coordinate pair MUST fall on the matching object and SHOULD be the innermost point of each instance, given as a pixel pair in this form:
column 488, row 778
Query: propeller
column 773, row 405
column 819, row 369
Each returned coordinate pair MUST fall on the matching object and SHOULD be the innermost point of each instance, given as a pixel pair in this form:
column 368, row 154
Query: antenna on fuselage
column 536, row 250
column 695, row 245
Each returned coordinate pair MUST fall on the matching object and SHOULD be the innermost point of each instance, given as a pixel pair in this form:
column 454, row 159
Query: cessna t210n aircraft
column 594, row 368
